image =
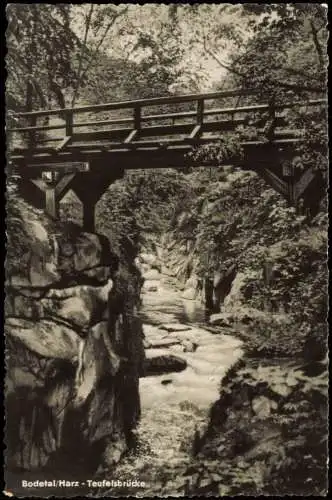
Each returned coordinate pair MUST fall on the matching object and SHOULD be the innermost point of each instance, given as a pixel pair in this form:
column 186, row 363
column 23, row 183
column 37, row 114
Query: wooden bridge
column 86, row 148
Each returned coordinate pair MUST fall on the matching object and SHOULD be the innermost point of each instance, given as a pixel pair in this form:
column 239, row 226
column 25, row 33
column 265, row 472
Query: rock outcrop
column 74, row 349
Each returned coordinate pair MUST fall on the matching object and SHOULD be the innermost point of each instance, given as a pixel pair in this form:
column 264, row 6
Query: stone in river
column 189, row 294
column 165, row 363
column 152, row 275
column 150, row 286
column 159, row 344
column 147, row 258
column 175, row 327
column 221, row 319
column 189, row 346
column 156, row 317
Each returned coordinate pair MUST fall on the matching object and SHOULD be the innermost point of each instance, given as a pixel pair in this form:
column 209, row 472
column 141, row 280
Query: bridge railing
column 67, row 124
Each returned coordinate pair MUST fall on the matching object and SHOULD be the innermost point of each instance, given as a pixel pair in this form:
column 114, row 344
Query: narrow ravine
column 175, row 405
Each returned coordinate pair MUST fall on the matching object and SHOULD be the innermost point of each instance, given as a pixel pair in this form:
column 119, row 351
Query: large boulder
column 100, row 273
column 46, row 338
column 96, row 359
column 235, row 296
column 81, row 305
column 50, row 257
column 222, row 285
column 81, row 252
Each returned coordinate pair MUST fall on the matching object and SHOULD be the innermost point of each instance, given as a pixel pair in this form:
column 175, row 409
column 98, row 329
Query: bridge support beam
column 54, row 191
column 90, row 186
column 52, row 203
column 44, row 188
column 89, row 215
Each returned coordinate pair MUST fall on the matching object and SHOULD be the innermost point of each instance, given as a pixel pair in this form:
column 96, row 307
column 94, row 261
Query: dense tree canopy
column 60, row 48
column 40, row 45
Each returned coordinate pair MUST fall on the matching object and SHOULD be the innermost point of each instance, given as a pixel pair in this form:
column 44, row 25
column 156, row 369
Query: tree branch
column 246, row 78
column 302, row 73
column 221, row 63
column 101, row 41
column 83, row 47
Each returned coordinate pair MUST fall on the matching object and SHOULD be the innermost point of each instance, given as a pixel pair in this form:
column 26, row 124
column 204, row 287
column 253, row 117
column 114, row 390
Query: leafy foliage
column 39, row 66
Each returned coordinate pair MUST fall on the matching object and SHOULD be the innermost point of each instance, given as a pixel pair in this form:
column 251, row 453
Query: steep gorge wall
column 74, row 349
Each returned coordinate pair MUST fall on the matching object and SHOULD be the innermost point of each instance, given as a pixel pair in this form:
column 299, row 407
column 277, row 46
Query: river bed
column 175, row 405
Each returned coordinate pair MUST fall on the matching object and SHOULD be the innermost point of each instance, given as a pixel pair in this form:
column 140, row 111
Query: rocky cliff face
column 74, row 347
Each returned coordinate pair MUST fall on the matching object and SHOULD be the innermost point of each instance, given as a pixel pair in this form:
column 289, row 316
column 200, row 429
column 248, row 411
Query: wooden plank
column 49, row 139
column 187, row 128
column 144, row 119
column 157, row 130
column 284, row 132
column 38, row 128
column 153, row 101
column 76, row 149
column 99, row 123
column 66, row 167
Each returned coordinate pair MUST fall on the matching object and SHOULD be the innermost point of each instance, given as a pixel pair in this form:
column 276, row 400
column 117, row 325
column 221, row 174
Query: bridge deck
column 87, row 148
column 148, row 126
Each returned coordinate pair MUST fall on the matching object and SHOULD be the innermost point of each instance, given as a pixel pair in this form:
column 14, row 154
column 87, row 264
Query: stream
column 175, row 405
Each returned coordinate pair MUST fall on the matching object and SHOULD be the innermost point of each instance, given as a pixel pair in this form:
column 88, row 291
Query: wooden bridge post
column 89, row 215
column 137, row 118
column 52, row 203
column 200, row 111
column 32, row 133
column 288, row 172
column 69, row 123
column 271, row 122
column 90, row 186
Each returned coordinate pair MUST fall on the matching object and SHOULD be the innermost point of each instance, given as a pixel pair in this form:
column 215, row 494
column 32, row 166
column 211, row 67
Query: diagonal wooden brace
column 195, row 132
column 131, row 136
column 67, row 140
column 278, row 184
column 54, row 193
column 303, row 183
